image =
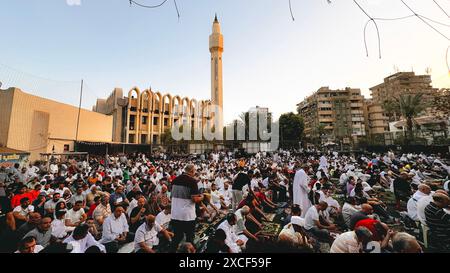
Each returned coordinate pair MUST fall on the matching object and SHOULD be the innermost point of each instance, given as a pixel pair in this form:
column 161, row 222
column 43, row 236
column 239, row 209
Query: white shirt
column 80, row 246
column 312, row 215
column 232, row 238
column 37, row 249
column 147, row 236
column 163, row 219
column 24, row 211
column 346, row 242
column 74, row 216
column 62, row 191
column 59, row 229
column 421, row 204
column 113, row 227
column 133, row 204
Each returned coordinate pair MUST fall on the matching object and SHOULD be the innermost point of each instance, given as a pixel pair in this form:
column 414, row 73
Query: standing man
column 239, row 181
column 185, row 195
column 301, row 190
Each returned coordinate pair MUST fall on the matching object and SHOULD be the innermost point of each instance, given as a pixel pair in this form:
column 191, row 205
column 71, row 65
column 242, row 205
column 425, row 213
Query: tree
column 410, row 106
column 245, row 118
column 291, row 129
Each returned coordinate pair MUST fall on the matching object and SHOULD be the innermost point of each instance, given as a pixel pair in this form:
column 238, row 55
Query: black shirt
column 358, row 216
column 215, row 247
column 134, row 213
column 241, row 180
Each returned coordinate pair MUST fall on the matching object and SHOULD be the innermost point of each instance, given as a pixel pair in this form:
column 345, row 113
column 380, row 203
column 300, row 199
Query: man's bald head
column 424, row 188
column 367, row 209
column 441, row 200
column 442, row 192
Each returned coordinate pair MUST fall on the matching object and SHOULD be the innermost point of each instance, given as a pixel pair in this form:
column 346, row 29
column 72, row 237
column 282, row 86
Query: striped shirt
column 183, row 188
column 438, row 221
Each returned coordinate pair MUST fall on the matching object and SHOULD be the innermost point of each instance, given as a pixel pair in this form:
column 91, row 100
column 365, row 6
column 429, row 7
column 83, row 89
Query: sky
column 48, row 46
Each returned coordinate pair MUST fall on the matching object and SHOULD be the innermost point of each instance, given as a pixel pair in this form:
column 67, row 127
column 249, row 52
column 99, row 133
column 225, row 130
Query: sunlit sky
column 269, row 60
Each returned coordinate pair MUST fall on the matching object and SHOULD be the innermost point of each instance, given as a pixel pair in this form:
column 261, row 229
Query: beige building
column 392, row 87
column 36, row 125
column 334, row 115
column 142, row 117
column 377, row 122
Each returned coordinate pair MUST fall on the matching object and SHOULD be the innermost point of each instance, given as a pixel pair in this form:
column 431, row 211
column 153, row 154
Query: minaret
column 216, row 49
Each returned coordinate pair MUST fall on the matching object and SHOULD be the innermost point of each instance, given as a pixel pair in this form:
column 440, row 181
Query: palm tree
column 410, row 106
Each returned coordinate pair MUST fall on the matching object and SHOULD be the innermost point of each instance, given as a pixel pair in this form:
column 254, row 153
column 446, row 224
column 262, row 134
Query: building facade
column 38, row 125
column 334, row 115
column 402, row 83
column 143, row 116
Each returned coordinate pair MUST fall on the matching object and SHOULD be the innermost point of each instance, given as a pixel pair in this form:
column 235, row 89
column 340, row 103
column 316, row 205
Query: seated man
column 352, row 241
column 115, row 231
column 241, row 217
column 21, row 212
column 318, row 228
column 402, row 188
column 403, row 242
column 293, row 232
column 118, row 198
column 235, row 242
column 75, row 216
column 81, row 240
column 439, row 221
column 217, row 244
column 146, row 239
column 366, row 210
column 266, row 203
column 43, row 232
column 423, row 191
column 59, row 228
column 101, row 212
column 28, row 245
column 163, row 218
column 380, row 233
column 33, row 221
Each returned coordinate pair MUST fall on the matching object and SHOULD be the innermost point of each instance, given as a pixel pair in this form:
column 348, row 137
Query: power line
column 146, row 6
column 156, row 6
column 441, row 8
column 371, row 19
column 423, row 20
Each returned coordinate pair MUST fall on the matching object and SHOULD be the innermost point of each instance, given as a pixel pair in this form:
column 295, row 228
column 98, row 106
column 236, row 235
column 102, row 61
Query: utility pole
column 79, row 111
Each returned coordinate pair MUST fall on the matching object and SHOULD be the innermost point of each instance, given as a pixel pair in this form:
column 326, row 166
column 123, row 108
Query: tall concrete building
column 401, row 83
column 334, row 115
column 216, row 49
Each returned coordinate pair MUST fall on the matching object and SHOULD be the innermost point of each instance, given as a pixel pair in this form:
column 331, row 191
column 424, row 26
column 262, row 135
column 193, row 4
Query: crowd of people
column 327, row 202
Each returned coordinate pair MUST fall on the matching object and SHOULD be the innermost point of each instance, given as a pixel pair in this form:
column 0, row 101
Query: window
column 66, row 147
column 155, row 121
column 155, row 139
column 132, row 122
column 166, row 121
column 144, row 120
column 143, row 139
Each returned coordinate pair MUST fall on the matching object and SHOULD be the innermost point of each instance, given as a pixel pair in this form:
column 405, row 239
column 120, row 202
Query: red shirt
column 91, row 210
column 261, row 196
column 370, row 225
column 15, row 201
column 33, row 195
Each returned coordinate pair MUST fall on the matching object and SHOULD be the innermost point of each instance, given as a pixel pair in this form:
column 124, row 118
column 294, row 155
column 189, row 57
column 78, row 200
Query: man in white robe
column 300, row 191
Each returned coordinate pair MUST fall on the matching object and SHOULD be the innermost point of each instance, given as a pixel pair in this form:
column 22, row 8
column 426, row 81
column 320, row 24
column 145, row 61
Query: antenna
column 428, row 70
column 396, row 69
